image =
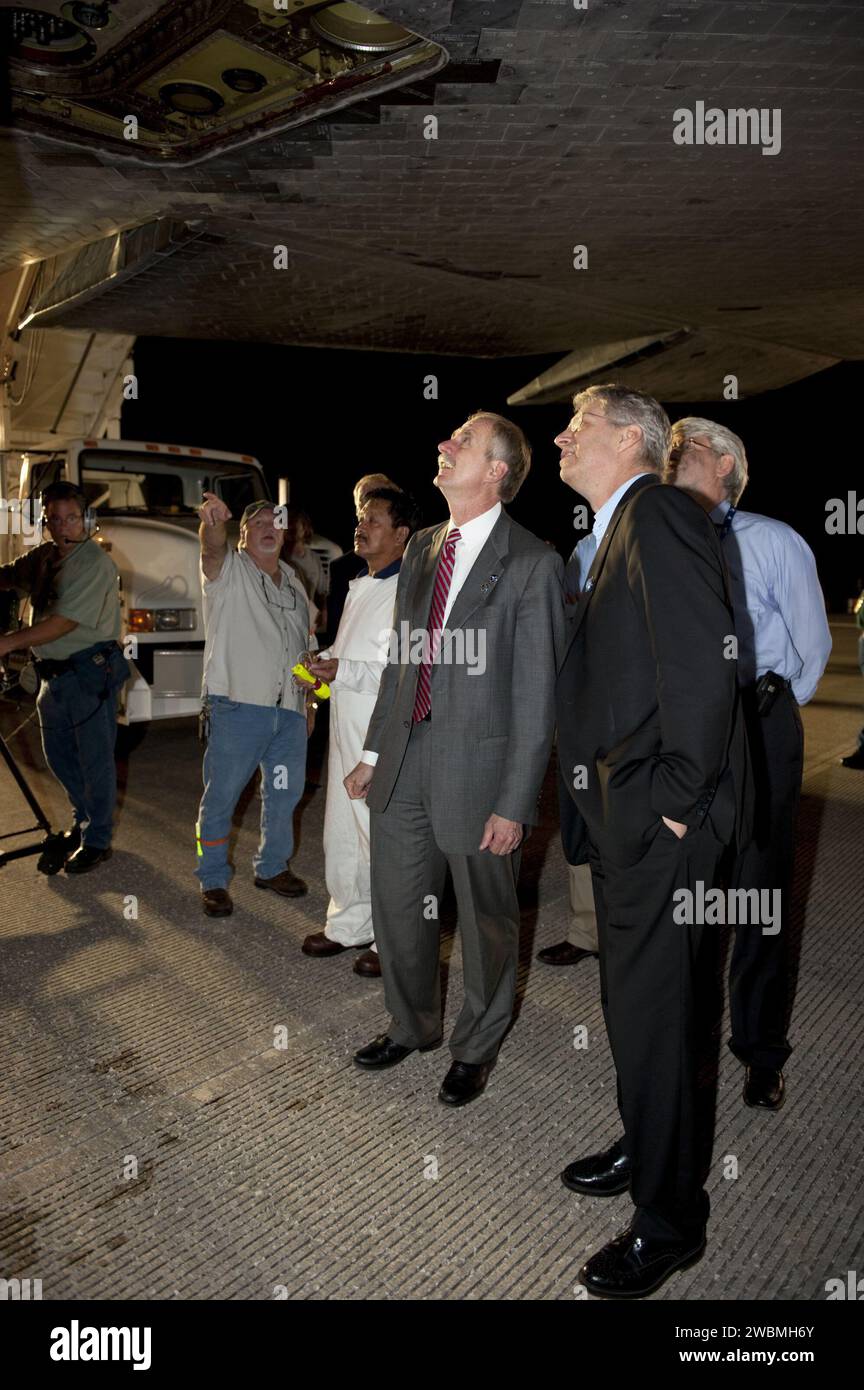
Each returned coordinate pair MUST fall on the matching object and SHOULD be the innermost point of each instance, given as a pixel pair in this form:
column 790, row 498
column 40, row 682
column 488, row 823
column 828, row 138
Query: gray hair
column 624, row 406
column 507, row 442
column 722, row 441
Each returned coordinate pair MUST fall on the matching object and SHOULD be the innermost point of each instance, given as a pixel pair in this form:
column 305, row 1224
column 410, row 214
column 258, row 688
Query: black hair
column 404, row 511
column 64, row 492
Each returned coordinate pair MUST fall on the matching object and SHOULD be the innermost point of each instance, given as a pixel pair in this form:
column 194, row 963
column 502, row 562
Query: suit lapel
column 482, row 578
column 650, row 480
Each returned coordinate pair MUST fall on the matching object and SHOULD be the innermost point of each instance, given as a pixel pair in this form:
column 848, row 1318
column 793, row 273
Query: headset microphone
column 70, row 492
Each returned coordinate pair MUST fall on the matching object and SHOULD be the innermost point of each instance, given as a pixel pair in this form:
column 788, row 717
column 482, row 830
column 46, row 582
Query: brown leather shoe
column 286, row 883
column 216, row 902
column 319, row 944
column 367, row 963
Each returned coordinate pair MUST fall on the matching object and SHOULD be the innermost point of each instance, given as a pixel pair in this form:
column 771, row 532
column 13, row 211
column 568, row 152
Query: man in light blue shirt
column 783, row 647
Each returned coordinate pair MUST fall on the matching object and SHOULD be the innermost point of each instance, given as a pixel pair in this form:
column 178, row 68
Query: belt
column 775, row 680
column 47, row 669
column 751, row 689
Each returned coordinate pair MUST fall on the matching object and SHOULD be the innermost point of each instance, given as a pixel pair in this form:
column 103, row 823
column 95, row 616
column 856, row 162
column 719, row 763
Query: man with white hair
column 783, row 646
column 258, row 620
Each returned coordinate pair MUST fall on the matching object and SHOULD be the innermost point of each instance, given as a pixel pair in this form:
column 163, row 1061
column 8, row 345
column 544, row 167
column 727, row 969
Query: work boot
column 216, row 902
column 287, row 884
column 86, row 858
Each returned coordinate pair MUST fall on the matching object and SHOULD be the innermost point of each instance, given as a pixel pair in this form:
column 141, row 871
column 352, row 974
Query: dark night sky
column 325, row 417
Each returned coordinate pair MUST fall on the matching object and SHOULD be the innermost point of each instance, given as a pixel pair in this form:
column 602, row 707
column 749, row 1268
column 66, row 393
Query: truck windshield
column 132, row 482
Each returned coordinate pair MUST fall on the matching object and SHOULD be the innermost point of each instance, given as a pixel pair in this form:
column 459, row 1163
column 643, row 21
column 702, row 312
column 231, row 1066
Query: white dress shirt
column 473, row 535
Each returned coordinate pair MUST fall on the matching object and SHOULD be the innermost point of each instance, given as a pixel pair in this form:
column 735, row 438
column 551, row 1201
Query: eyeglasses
column 275, row 603
column 677, row 452
column 582, row 414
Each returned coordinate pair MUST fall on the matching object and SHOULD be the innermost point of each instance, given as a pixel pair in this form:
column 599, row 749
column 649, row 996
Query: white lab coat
column 362, row 645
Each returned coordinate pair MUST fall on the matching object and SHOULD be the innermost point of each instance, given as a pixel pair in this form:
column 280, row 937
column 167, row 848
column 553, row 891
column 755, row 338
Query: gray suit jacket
column 491, row 728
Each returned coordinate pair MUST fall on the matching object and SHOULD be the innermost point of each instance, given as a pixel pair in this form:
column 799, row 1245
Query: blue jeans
column 78, row 735
column 243, row 737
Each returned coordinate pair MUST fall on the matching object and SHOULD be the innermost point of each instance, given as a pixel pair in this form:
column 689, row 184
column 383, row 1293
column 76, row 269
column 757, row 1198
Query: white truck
column 146, row 496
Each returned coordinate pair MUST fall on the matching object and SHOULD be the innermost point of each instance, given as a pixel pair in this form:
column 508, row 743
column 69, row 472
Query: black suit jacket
column 647, row 696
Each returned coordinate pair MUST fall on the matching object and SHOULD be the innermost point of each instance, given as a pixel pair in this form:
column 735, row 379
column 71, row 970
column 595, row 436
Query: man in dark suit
column 650, row 740
column 456, row 751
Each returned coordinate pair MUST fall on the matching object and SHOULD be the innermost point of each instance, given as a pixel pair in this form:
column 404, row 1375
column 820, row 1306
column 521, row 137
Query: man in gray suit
column 458, row 744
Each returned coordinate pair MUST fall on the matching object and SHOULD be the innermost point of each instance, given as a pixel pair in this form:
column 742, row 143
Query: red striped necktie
column 443, row 579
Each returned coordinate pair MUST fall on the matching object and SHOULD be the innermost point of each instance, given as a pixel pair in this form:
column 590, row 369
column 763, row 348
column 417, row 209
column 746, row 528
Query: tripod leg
column 42, row 821
column 28, row 795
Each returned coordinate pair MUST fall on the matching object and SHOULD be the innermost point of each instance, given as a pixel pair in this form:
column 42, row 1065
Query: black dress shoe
column 764, row 1088
column 464, row 1081
column 85, row 859
column 599, row 1175
column 384, row 1052
column 631, row 1266
column 563, row 953
column 855, row 760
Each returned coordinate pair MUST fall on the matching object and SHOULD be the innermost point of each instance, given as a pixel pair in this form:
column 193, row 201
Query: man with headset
column 73, row 587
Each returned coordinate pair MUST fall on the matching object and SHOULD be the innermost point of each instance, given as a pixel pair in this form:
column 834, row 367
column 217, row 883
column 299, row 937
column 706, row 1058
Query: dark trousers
column 408, row 877
column 759, row 970
column 648, row 987
column 79, row 730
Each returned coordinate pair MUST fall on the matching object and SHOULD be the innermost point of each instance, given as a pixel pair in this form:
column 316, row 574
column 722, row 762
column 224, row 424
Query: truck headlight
column 162, row 620
column 175, row 619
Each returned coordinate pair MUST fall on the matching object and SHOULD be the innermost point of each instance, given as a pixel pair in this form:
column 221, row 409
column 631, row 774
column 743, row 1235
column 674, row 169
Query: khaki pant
column 582, row 931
